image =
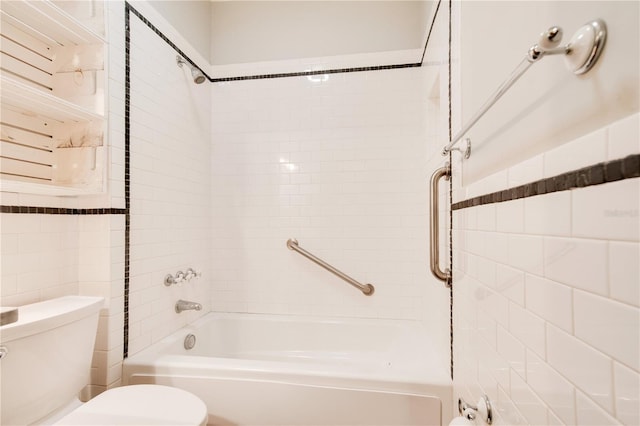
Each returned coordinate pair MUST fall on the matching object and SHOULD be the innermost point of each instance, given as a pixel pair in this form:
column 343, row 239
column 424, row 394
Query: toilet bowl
column 46, row 361
column 140, row 405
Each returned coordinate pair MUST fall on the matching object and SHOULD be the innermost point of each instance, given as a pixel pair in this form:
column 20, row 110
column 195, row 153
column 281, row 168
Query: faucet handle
column 192, row 273
column 177, row 279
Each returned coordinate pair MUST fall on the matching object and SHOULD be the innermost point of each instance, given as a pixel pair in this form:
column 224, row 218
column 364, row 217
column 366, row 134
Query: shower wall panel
column 546, row 226
column 170, row 188
column 340, row 162
column 546, row 302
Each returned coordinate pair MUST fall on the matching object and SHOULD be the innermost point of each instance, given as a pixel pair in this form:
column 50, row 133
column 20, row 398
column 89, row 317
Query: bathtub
column 280, row 370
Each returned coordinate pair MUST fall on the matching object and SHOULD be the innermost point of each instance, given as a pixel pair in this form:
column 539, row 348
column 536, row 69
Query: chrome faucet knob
column 171, row 279
column 192, row 273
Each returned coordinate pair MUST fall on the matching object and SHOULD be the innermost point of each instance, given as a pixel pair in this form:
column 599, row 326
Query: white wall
column 44, row 256
column 546, row 303
column 549, row 105
column 547, row 309
column 191, row 18
column 170, row 188
column 341, row 164
column 257, row 31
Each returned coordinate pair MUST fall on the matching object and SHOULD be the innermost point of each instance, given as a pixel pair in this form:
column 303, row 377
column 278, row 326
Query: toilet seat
column 140, row 405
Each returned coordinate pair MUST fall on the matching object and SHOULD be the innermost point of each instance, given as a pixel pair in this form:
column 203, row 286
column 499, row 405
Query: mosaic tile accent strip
column 605, row 172
column 59, row 211
column 426, row 43
column 449, row 66
column 127, row 174
column 316, row 72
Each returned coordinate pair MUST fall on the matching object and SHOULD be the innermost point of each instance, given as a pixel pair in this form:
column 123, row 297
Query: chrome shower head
column 196, row 74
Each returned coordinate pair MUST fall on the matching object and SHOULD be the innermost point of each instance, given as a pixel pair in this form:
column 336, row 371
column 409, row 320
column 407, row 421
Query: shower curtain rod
column 581, row 53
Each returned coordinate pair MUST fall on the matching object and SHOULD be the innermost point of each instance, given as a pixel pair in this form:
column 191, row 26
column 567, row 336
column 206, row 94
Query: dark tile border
column 316, row 72
column 605, row 172
column 59, row 210
column 127, row 174
column 449, row 101
column 433, row 22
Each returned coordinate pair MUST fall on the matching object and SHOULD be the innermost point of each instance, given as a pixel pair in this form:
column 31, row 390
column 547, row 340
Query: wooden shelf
column 47, row 22
column 38, row 102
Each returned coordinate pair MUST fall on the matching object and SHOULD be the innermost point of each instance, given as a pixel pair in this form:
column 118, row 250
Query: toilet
column 45, row 361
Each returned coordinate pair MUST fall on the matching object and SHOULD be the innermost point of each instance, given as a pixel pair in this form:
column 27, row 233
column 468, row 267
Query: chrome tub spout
column 185, row 305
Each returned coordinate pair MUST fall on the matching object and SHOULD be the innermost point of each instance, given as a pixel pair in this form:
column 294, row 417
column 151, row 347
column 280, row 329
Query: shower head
column 196, row 74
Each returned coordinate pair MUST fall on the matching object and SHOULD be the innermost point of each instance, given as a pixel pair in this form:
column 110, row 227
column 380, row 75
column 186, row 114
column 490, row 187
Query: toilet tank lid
column 42, row 316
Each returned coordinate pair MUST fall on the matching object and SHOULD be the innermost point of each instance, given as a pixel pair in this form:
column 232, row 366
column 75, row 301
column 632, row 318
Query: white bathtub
column 282, row 370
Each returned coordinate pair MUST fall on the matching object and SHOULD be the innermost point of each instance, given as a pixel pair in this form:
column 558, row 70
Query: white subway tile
column 624, row 137
column 8, row 243
column 589, row 413
column 526, row 253
column 549, row 385
column 20, row 223
column 528, row 328
column 496, row 246
column 627, row 393
column 578, row 263
column 496, row 305
column 510, row 216
column 507, row 412
column 609, row 326
column 588, row 369
column 510, row 283
column 486, row 327
column 582, row 152
column 488, row 359
column 486, row 217
column 529, row 404
column 486, row 272
column 512, row 351
column 550, row 300
column 553, row 420
column 624, row 272
column 608, row 211
column 548, row 214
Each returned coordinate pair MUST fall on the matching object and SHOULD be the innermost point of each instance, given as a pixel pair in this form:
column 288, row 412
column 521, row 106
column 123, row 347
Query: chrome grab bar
column 366, row 289
column 445, row 276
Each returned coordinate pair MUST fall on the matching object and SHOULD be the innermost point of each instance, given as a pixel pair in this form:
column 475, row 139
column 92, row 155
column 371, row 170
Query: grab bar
column 445, row 276
column 366, row 289
column 581, row 53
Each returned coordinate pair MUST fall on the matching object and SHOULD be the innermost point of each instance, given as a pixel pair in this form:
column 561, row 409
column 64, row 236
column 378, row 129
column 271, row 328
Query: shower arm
column 581, row 54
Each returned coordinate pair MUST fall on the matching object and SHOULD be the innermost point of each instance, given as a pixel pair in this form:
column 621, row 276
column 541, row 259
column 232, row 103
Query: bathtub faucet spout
column 185, row 305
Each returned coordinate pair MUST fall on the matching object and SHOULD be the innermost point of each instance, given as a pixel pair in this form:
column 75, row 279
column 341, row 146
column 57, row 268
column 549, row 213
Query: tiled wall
column 340, row 163
column 547, row 306
column 170, row 188
column 44, row 256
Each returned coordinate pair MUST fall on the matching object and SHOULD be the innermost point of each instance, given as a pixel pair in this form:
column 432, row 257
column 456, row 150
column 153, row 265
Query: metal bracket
column 466, row 153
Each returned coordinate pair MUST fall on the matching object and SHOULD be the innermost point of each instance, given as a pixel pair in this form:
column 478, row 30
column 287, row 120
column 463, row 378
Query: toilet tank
column 47, row 357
